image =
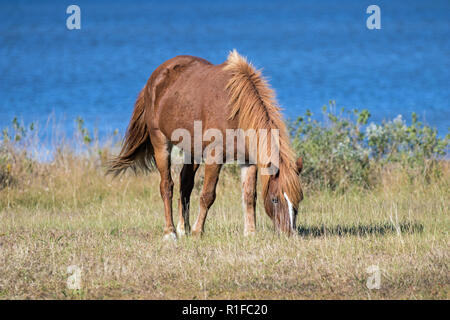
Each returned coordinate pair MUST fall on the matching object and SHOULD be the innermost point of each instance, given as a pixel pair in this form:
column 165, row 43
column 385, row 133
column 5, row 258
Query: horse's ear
column 299, row 164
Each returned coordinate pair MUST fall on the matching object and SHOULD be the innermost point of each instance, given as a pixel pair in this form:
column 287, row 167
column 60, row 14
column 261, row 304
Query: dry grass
column 67, row 213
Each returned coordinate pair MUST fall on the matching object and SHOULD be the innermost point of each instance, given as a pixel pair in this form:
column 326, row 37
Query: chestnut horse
column 231, row 95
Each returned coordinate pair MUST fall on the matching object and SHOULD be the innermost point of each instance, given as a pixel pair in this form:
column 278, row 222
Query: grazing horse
column 232, row 95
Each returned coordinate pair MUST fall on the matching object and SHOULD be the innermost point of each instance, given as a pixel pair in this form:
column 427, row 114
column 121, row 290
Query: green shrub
column 14, row 146
column 344, row 150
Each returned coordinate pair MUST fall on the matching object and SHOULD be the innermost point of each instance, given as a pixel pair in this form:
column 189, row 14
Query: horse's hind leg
column 162, row 159
column 207, row 197
column 187, row 176
column 248, row 183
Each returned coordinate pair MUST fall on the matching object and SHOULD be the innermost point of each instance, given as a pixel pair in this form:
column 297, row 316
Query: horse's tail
column 137, row 149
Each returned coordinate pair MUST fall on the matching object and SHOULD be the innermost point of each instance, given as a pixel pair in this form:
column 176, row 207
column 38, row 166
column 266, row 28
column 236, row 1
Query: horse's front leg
column 248, row 184
column 187, row 177
column 162, row 159
column 207, row 196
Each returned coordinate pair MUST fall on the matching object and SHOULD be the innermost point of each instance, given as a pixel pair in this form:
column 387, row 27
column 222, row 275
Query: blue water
column 312, row 52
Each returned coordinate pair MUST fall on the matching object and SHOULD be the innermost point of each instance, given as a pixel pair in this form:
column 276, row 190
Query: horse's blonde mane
column 253, row 101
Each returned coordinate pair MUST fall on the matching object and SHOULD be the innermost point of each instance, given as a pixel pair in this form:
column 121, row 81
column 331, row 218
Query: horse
column 233, row 95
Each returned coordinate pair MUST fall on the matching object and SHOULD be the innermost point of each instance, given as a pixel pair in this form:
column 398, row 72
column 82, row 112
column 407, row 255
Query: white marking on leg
column 180, row 231
column 170, row 237
column 196, row 228
column 291, row 210
column 244, row 170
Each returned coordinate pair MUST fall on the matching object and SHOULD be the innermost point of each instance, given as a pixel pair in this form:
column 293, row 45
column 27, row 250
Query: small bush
column 345, row 150
column 13, row 152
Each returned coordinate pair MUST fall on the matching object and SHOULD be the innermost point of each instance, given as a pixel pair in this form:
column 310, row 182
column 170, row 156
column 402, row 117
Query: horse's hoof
column 170, row 237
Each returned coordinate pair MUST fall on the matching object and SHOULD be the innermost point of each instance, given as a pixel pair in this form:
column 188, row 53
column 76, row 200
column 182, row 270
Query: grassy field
column 67, row 212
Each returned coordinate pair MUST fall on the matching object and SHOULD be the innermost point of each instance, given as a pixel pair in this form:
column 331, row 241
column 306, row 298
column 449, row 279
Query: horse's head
column 279, row 206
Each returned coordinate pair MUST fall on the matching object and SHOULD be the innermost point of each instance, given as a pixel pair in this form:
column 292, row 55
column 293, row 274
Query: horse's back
column 188, row 89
